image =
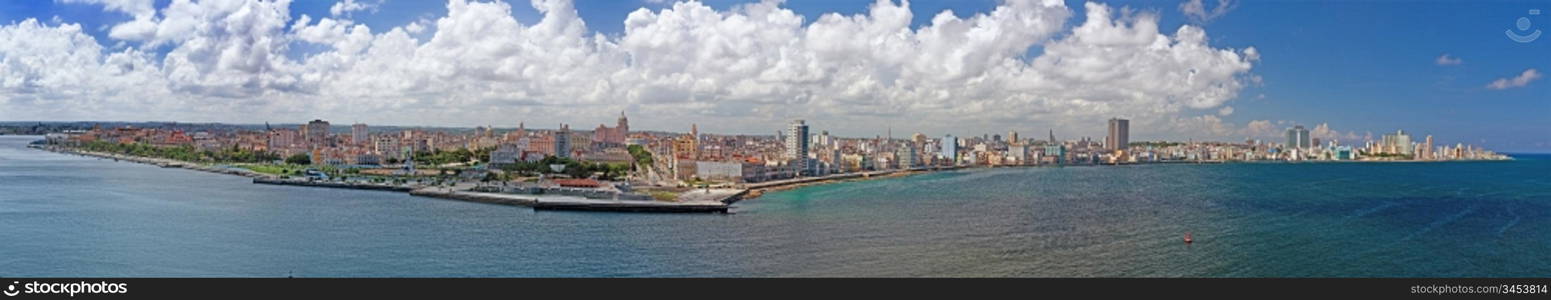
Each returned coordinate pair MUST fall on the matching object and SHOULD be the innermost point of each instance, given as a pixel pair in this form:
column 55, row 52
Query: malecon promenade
column 713, row 201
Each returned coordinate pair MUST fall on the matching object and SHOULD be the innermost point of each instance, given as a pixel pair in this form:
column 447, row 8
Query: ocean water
column 66, row 215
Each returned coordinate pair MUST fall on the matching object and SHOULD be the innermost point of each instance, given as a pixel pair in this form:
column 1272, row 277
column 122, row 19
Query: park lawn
column 665, row 196
column 273, row 168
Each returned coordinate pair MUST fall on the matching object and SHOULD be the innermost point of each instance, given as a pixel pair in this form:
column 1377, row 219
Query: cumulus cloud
column 1519, row 81
column 1446, row 60
column 1204, row 126
column 1323, row 132
column 745, row 66
column 1210, row 126
column 61, row 71
column 347, row 6
column 1197, row 12
column 1225, row 111
column 144, row 13
column 132, row 7
column 1261, row 129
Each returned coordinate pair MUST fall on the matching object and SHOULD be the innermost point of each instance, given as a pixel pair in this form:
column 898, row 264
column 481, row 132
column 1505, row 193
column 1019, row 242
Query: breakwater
column 754, row 190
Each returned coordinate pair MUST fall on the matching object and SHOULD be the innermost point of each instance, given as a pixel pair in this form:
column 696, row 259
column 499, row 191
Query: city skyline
column 1104, row 138
column 1474, row 85
column 147, row 141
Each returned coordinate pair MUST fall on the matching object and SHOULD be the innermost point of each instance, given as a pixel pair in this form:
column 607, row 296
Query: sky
column 1196, row 69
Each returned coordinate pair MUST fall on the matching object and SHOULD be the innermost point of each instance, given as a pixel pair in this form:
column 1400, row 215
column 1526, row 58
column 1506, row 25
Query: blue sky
column 1360, row 66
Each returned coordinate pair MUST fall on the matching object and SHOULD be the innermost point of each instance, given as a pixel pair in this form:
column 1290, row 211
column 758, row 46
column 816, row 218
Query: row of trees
column 573, row 168
column 299, row 159
column 642, row 157
column 183, row 153
column 439, row 157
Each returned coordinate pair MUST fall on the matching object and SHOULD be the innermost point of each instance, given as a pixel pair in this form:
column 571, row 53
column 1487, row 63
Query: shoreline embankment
column 537, row 202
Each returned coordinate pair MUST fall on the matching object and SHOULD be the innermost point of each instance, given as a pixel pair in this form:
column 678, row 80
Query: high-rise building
column 563, row 141
column 358, row 134
column 797, row 145
column 950, row 148
column 1119, row 134
column 1427, row 148
column 906, row 156
column 317, row 132
column 1012, row 136
column 1298, row 138
column 1398, row 143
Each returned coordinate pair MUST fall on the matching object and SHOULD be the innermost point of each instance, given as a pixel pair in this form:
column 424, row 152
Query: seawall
column 332, row 184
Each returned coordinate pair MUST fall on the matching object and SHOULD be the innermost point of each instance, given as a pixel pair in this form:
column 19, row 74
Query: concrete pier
column 631, row 206
column 333, row 184
column 545, row 202
column 490, row 198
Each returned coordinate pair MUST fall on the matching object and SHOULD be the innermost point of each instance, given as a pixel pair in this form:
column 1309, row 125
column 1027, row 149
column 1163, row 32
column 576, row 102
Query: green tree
column 642, row 157
column 299, row 159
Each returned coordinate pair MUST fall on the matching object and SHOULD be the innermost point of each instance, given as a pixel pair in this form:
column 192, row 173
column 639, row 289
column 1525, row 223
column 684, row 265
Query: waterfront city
column 295, row 146
column 613, row 163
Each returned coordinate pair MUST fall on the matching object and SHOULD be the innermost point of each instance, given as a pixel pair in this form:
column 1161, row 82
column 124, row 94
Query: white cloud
column 1225, row 111
column 346, row 7
column 1520, row 81
column 1197, row 12
column 1261, row 129
column 62, row 72
column 1204, row 126
column 1210, row 126
column 131, row 7
column 742, row 69
column 144, row 13
column 228, row 49
column 1446, row 60
column 1323, row 132
column 417, row 27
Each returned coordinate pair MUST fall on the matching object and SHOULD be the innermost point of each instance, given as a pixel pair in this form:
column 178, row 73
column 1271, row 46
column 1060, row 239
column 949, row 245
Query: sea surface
column 65, row 216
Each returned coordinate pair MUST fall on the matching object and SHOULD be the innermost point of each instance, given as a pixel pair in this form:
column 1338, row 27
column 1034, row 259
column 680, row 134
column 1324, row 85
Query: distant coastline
column 538, row 202
column 760, row 190
column 742, row 192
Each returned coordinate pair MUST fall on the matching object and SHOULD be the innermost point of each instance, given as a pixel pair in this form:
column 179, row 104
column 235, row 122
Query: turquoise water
column 73, row 216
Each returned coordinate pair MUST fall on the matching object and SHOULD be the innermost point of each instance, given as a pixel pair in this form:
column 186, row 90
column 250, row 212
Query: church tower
column 624, row 124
